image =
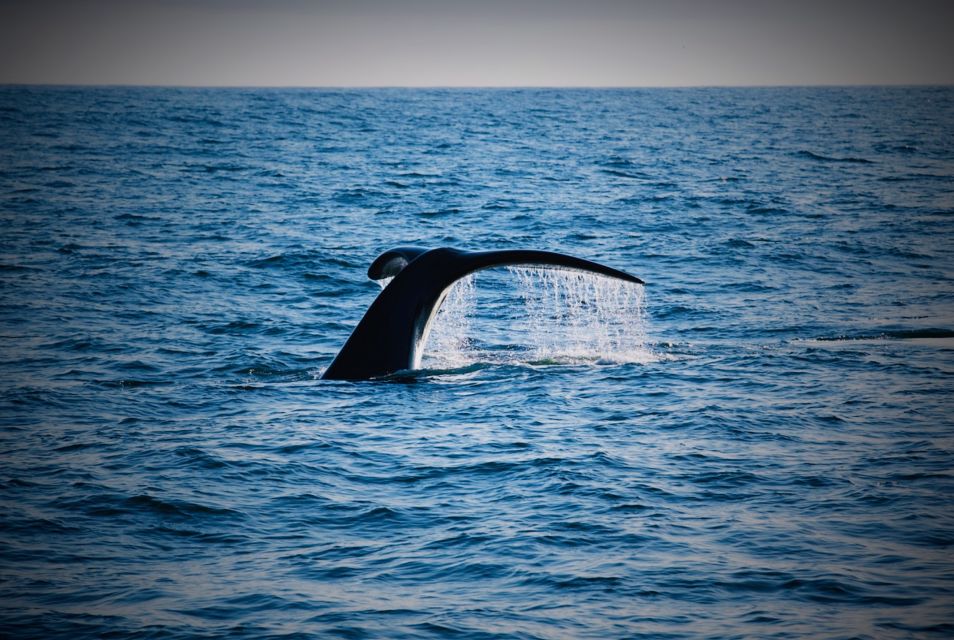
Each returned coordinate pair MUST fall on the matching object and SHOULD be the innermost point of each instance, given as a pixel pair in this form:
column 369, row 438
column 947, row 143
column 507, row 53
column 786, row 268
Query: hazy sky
column 476, row 43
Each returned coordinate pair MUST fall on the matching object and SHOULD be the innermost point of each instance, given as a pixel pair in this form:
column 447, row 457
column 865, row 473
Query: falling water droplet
column 450, row 338
column 534, row 314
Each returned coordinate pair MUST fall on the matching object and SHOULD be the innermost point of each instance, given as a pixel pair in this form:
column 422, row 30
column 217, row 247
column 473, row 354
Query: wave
column 902, row 334
column 300, row 259
column 626, row 174
column 811, row 155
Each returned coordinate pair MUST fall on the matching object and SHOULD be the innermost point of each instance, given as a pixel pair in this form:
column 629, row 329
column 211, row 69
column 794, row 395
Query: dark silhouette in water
column 389, row 337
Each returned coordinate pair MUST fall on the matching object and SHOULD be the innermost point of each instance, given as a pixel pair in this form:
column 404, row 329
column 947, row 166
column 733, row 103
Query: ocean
column 758, row 443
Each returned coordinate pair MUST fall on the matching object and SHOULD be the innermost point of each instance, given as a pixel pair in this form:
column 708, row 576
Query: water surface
column 766, row 451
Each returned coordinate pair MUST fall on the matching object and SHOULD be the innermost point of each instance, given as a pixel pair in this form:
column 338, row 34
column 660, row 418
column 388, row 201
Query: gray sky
column 476, row 43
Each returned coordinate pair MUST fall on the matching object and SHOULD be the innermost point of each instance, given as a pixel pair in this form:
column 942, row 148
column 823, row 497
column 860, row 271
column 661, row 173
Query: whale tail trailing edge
column 510, row 257
column 393, row 261
column 390, row 336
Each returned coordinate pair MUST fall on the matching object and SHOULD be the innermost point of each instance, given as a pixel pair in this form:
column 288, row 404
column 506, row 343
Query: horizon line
column 826, row 85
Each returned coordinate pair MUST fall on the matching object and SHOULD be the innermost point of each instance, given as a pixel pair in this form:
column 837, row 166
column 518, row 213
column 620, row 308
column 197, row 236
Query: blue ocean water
column 771, row 455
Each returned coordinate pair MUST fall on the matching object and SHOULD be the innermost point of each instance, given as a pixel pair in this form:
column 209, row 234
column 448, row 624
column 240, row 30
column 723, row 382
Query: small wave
column 831, row 590
column 132, row 218
column 138, row 366
column 739, row 243
column 896, row 148
column 59, row 184
column 617, row 162
column 914, row 176
column 499, row 204
column 228, row 168
column 27, row 525
column 131, row 383
column 439, row 213
column 273, row 373
column 823, row 158
column 287, row 259
column 226, row 538
column 419, row 174
column 70, row 248
column 236, row 327
column 723, row 479
column 114, row 505
column 182, row 508
column 15, row 268
column 200, row 458
column 909, row 334
column 348, row 196
column 765, row 210
column 626, row 174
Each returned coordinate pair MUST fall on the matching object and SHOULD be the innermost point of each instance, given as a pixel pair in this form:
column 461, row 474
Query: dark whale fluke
column 389, row 337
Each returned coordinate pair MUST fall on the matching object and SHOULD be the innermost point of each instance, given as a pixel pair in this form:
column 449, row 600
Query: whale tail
column 390, row 336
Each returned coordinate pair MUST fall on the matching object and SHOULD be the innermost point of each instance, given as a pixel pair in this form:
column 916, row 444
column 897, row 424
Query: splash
column 539, row 315
column 450, row 336
column 578, row 315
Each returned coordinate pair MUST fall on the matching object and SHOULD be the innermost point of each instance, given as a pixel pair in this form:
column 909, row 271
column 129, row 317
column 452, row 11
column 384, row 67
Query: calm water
column 770, row 456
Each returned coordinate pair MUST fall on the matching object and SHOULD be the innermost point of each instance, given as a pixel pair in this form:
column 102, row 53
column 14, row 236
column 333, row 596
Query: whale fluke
column 390, row 336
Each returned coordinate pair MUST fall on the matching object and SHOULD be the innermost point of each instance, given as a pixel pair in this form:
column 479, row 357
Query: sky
column 361, row 43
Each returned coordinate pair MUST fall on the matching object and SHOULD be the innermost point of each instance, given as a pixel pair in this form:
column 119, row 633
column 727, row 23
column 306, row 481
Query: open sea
column 759, row 443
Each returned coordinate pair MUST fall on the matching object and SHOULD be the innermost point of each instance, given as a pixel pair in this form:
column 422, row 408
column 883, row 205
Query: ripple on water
column 754, row 444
